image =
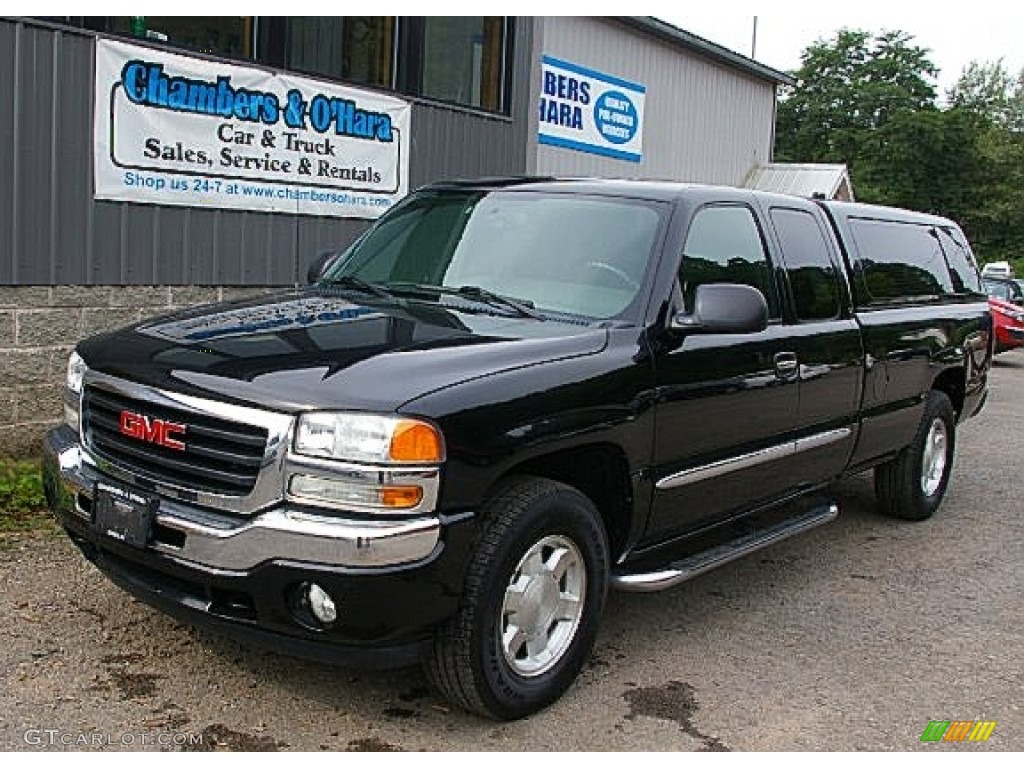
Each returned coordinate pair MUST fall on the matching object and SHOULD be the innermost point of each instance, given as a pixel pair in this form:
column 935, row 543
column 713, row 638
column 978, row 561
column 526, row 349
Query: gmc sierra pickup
column 504, row 398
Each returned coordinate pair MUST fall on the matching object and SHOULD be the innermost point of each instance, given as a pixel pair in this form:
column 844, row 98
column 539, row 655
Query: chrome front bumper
column 228, row 543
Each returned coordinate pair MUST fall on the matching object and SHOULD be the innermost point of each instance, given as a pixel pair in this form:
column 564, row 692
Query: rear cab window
column 963, row 266
column 901, row 261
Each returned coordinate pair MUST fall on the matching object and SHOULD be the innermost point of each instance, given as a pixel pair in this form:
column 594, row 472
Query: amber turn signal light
column 416, row 441
column 400, row 497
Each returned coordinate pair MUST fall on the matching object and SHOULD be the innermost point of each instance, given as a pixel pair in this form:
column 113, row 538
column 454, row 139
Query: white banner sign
column 176, row 130
column 590, row 111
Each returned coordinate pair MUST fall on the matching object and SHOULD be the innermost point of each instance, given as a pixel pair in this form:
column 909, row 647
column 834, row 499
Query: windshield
column 571, row 254
column 1006, row 290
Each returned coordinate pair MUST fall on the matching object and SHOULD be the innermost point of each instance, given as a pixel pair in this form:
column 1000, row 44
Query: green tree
column 990, row 90
column 994, row 215
column 870, row 101
column 847, row 88
column 926, row 160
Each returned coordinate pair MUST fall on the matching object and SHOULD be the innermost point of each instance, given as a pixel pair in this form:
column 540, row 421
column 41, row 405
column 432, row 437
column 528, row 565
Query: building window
column 228, row 36
column 462, row 60
column 359, row 49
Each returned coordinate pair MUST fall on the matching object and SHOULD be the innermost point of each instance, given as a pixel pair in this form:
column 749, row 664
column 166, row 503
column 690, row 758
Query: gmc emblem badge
column 156, row 431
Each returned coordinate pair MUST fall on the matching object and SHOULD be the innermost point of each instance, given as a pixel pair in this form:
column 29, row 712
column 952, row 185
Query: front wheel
column 911, row 486
column 532, row 602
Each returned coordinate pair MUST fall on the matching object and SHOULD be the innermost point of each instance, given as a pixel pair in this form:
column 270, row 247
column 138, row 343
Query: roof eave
column 675, row 36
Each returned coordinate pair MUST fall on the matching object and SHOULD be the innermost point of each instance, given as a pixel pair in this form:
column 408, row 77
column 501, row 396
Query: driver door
column 727, row 402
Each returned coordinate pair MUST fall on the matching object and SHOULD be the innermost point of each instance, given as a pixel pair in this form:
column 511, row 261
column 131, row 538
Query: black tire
column 899, row 484
column 468, row 661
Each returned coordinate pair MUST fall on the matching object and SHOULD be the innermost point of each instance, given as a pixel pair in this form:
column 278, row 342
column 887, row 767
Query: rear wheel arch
column 953, row 383
column 912, row 484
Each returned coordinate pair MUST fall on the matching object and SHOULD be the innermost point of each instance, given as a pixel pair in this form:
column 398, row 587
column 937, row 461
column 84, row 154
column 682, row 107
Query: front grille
column 220, row 456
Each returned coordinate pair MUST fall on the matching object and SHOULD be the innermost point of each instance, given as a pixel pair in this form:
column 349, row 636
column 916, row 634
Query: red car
column 1008, row 320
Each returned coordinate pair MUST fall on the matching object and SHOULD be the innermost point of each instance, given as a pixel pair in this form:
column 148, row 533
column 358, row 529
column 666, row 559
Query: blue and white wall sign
column 590, row 111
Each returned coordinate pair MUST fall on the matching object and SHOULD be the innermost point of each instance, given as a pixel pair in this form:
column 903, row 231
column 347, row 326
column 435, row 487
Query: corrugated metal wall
column 53, row 233
column 703, row 121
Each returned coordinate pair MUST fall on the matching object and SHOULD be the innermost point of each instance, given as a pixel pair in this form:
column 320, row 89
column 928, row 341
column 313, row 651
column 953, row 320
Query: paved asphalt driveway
column 853, row 636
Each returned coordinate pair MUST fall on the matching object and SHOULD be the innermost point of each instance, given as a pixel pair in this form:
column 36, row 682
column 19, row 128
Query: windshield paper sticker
column 590, row 111
column 177, row 130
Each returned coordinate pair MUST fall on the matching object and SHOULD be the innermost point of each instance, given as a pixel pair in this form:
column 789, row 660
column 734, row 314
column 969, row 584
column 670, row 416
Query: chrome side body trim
column 748, row 460
column 821, row 440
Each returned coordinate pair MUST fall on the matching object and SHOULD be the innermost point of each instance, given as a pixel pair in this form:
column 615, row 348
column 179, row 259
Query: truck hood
column 329, row 349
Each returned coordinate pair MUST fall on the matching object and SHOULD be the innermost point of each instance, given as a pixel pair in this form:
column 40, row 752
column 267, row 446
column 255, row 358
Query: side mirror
column 320, row 265
column 724, row 308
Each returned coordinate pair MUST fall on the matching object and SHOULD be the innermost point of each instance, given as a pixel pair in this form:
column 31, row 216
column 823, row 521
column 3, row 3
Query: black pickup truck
column 505, row 398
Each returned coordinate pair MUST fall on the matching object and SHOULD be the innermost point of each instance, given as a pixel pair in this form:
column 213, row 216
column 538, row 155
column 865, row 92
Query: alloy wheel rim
column 933, row 462
column 543, row 606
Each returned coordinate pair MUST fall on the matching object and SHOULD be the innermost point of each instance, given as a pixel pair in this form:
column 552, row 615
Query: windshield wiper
column 521, row 307
column 358, row 284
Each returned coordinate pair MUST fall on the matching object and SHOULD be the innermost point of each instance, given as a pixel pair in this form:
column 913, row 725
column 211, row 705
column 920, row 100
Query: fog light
column 321, row 604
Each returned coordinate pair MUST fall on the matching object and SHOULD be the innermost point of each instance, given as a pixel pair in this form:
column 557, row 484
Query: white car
column 997, row 269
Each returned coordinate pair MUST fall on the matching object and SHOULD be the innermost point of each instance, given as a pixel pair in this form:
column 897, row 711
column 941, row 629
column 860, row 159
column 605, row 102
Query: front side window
column 812, row 275
column 359, row 49
column 565, row 254
column 724, row 245
column 462, row 58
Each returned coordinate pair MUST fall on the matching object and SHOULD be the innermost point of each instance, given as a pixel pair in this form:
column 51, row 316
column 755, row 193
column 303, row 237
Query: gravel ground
column 851, row 637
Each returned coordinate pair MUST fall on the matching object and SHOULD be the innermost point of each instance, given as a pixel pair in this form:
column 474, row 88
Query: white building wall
column 704, row 121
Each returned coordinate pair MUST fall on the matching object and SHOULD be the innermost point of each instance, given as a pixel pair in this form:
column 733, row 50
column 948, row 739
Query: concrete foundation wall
column 39, row 326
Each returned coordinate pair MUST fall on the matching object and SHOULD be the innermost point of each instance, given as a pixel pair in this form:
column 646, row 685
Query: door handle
column 786, row 365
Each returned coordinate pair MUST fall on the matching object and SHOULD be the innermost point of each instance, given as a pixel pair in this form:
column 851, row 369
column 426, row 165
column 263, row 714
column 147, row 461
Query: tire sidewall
column 938, row 407
column 562, row 513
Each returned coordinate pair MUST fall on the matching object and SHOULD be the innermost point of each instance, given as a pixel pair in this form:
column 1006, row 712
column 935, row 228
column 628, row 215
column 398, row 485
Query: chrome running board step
column 694, row 565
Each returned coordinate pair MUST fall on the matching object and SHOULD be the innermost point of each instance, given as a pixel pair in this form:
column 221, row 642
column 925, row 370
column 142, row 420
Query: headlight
column 368, row 438
column 76, row 371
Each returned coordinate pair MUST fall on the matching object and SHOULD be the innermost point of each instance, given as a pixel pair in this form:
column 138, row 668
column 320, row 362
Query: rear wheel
column 912, row 485
column 532, row 602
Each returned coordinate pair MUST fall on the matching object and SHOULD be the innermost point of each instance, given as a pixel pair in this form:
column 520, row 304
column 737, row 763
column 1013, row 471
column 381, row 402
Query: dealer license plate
column 124, row 514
